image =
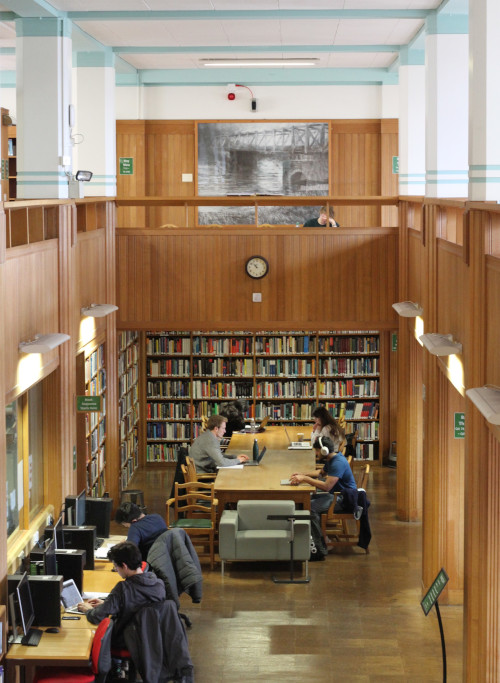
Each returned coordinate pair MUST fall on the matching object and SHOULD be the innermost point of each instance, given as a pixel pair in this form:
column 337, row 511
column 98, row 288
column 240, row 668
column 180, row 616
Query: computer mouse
column 52, row 629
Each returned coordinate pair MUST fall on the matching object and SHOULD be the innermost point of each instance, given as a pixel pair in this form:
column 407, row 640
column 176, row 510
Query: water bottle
column 255, row 454
column 252, row 425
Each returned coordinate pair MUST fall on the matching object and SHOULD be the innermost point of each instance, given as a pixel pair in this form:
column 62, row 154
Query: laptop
column 298, row 445
column 71, row 597
column 254, row 463
column 260, row 428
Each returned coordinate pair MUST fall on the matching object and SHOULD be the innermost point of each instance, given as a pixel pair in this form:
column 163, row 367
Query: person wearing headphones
column 336, row 475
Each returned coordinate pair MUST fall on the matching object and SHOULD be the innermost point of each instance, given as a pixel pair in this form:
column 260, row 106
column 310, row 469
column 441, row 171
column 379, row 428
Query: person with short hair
column 205, row 450
column 143, row 530
column 326, row 218
column 127, row 597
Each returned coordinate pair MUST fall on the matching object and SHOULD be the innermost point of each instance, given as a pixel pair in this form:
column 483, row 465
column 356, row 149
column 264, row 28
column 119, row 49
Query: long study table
column 71, row 646
column 263, row 482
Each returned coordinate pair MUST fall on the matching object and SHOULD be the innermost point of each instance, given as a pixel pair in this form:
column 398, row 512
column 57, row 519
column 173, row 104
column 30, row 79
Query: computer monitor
column 58, row 534
column 25, row 604
column 80, row 509
column 49, row 558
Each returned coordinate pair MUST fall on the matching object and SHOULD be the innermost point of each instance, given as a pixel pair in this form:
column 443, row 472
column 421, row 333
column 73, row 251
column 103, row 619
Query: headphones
column 324, row 449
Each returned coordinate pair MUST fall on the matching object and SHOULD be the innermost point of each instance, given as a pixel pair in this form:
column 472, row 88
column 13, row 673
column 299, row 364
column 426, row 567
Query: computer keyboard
column 98, row 543
column 32, row 637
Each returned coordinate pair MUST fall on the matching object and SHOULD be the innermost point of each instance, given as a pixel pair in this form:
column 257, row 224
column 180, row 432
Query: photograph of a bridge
column 261, row 158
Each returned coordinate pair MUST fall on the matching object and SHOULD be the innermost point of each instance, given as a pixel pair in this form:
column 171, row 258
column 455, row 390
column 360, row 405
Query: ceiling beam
column 200, row 49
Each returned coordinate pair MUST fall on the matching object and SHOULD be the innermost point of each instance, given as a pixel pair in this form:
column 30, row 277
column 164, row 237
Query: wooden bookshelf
column 128, row 407
column 283, row 375
column 95, row 423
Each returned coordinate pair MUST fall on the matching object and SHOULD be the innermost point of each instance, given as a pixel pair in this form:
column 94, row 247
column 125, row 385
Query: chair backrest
column 252, row 514
column 362, row 476
column 193, row 498
column 100, row 655
column 349, row 460
column 189, row 470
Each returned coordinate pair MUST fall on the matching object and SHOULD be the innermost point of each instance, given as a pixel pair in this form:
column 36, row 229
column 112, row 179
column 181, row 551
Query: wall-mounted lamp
column 487, row 401
column 42, row 343
column 408, row 309
column 98, row 310
column 84, row 175
column 440, row 344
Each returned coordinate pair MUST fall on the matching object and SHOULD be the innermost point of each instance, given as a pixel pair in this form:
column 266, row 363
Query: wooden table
column 71, row 646
column 263, row 482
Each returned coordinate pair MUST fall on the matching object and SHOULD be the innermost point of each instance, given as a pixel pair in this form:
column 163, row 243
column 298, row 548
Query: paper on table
column 231, row 467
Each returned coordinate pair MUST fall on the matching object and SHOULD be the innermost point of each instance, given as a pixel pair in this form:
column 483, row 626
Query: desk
column 71, row 646
column 263, row 482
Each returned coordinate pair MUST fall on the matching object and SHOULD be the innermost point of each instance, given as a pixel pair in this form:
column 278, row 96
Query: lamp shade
column 487, row 401
column 408, row 309
column 98, row 310
column 42, row 343
column 440, row 344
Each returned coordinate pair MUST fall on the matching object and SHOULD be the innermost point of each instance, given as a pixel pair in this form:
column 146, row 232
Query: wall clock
column 257, row 267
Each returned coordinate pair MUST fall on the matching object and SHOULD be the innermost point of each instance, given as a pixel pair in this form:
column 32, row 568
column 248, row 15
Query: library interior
column 189, row 267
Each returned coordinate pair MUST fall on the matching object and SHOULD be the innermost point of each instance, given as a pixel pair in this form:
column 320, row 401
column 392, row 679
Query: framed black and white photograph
column 261, row 158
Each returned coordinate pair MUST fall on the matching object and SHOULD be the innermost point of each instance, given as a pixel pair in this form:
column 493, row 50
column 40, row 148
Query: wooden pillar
column 482, row 502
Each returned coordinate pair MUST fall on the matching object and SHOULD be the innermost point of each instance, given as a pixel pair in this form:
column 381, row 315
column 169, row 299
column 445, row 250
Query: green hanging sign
column 126, row 165
column 88, row 404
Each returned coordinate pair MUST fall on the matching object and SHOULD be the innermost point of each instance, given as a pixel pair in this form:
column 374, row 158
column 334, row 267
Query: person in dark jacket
column 127, row 597
column 143, row 529
column 234, row 413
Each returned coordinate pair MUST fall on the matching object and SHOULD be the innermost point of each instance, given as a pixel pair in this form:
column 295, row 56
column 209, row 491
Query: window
column 25, row 462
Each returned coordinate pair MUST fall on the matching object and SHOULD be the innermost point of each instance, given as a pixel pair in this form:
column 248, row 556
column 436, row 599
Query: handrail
column 257, row 200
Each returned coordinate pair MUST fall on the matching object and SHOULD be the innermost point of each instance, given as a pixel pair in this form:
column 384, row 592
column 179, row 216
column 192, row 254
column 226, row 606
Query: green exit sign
column 430, row 598
column 126, row 165
column 88, row 404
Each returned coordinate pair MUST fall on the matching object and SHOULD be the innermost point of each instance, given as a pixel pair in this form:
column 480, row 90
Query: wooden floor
column 359, row 620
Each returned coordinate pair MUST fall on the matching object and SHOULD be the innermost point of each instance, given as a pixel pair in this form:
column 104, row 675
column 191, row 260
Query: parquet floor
column 359, row 620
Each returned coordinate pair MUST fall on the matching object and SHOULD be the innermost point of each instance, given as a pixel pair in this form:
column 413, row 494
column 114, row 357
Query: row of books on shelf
column 366, row 451
column 367, row 431
column 285, row 344
column 96, row 439
column 284, row 389
column 221, row 367
column 346, row 345
column 168, row 345
column 127, row 358
column 94, row 418
column 97, row 384
column 222, row 346
column 96, row 465
column 284, row 411
column 128, row 447
column 128, row 470
column 125, row 338
column 128, row 402
column 168, row 411
column 163, row 452
column 233, row 389
column 94, row 362
column 354, row 410
column 285, row 367
column 161, row 388
column 349, row 387
column 128, row 423
column 97, row 488
column 168, row 367
column 168, row 430
column 349, row 366
column 209, row 408
column 128, row 380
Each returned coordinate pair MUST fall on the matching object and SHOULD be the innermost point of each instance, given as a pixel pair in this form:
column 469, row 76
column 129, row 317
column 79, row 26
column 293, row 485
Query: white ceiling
column 165, row 40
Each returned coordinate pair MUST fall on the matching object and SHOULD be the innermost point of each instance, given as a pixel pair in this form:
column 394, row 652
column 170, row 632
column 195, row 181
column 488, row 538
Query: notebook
column 253, row 463
column 298, row 445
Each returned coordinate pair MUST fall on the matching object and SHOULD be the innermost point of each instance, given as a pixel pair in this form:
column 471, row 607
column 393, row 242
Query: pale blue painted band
column 451, row 24
column 95, row 59
column 412, row 175
column 48, row 183
column 7, row 79
column 463, row 172
column 59, row 174
column 411, row 57
column 451, row 181
column 43, row 28
column 485, row 167
column 484, row 180
column 412, row 182
column 7, row 50
column 240, row 15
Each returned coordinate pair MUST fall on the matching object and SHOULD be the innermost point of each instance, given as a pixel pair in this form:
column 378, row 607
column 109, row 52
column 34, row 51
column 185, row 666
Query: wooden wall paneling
column 452, row 279
column 3, row 436
column 31, row 280
column 112, row 397
column 185, row 277
column 130, row 142
column 36, row 228
column 18, row 224
column 389, row 180
column 90, row 276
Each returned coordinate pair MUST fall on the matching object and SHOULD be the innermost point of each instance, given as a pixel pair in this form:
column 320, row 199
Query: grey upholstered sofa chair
column 246, row 533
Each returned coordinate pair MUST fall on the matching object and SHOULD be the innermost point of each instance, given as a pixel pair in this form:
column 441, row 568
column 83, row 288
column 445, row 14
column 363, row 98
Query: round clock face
column 257, row 267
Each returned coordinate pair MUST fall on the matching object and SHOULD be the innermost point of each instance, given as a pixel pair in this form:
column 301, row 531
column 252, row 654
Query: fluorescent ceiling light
column 98, row 310
column 408, row 309
column 300, row 61
column 440, row 344
column 487, row 401
column 42, row 343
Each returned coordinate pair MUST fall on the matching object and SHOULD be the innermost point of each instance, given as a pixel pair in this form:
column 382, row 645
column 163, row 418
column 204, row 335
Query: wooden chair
column 340, row 528
column 195, row 511
column 190, row 473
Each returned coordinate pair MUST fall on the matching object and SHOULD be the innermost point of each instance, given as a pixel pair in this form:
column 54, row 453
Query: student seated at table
column 143, row 530
column 234, row 414
column 326, row 425
column 336, row 475
column 205, row 450
column 323, row 220
column 127, row 597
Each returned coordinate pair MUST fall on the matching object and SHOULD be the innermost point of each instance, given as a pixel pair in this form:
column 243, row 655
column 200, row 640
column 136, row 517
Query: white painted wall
column 283, row 102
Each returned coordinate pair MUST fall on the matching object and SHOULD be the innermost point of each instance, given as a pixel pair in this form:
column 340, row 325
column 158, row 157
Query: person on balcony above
column 323, row 220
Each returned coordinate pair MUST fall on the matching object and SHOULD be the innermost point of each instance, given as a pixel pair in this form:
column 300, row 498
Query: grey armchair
column 247, row 534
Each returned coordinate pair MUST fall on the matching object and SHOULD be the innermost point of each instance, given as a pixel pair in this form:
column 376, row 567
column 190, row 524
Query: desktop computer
column 45, row 596
column 97, row 512
column 79, row 537
column 70, row 564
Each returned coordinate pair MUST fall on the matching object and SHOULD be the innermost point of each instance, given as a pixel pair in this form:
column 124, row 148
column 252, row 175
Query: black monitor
column 49, row 558
column 25, row 604
column 80, row 509
column 59, row 534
